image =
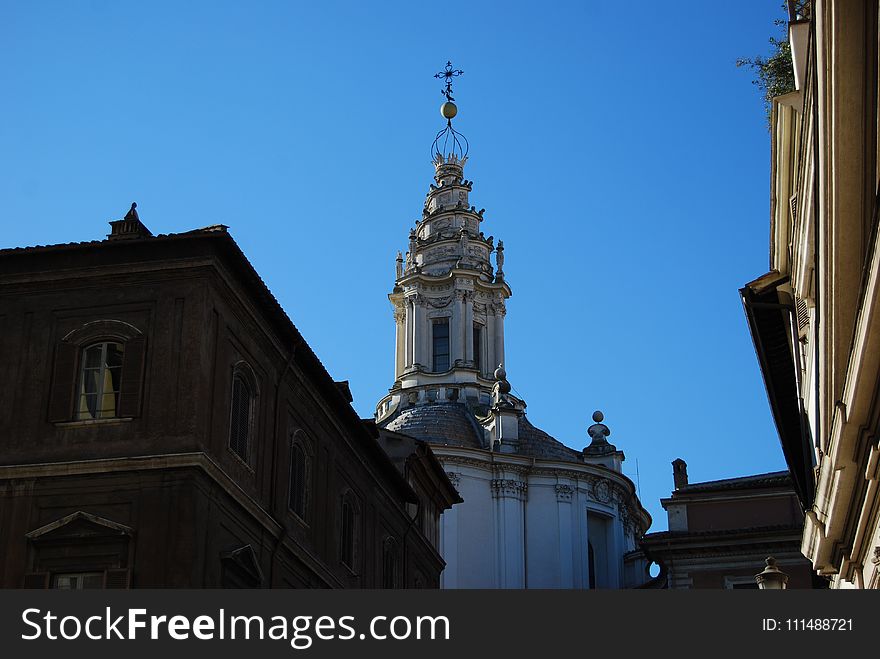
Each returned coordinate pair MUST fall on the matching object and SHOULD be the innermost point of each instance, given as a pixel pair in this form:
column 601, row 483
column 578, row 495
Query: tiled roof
column 659, row 536
column 536, row 443
column 772, row 479
column 451, row 424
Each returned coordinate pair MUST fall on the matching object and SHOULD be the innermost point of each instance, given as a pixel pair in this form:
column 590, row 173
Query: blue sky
column 619, row 153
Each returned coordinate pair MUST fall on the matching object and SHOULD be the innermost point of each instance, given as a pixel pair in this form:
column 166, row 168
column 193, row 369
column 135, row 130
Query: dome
column 536, row 443
column 451, row 424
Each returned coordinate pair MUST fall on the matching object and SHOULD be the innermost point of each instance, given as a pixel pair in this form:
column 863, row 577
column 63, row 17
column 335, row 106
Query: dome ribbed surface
column 453, row 424
column 536, row 443
column 439, row 423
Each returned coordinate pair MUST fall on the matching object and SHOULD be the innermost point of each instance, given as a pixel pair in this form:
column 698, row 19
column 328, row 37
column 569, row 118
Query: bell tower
column 449, row 301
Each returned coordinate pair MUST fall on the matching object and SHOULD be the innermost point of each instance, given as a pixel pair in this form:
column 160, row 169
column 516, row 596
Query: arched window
column 300, row 477
column 348, row 532
column 98, row 372
column 100, row 377
column 241, row 417
column 390, row 564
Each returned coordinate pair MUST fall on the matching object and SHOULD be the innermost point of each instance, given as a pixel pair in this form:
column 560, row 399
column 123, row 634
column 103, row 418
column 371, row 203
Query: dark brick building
column 164, row 424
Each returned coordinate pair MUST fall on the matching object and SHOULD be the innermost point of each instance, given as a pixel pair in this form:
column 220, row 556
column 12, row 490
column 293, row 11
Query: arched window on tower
column 241, row 415
column 298, row 499
column 348, row 532
column 390, row 564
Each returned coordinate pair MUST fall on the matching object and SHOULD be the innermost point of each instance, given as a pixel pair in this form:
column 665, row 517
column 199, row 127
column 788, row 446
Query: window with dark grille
column 347, row 533
column 389, row 564
column 240, row 419
column 478, row 342
column 298, row 476
column 441, row 345
column 100, row 377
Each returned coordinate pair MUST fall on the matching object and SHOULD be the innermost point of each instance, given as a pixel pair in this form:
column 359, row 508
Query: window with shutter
column 63, row 379
column 132, row 377
column 298, row 480
column 78, row 580
column 117, row 578
column 100, row 379
column 36, row 580
column 242, row 411
column 98, row 372
column 389, row 564
column 347, row 539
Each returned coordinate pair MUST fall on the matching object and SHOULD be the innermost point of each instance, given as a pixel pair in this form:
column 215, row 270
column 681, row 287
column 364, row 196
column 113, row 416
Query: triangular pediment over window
column 79, row 525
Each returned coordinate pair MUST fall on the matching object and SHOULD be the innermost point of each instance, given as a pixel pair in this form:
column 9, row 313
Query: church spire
column 449, row 300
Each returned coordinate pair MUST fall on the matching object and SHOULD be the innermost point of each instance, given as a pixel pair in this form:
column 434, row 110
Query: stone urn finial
column 598, row 433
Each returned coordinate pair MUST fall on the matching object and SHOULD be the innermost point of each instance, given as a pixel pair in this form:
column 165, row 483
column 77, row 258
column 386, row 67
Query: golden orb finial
column 448, row 110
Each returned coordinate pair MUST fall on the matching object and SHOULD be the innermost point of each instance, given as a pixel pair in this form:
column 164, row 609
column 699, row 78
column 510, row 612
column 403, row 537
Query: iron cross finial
column 448, row 74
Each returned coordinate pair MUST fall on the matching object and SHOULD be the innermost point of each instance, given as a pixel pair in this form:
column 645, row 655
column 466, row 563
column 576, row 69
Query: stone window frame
column 243, row 372
column 434, row 322
column 349, row 547
column 299, row 439
column 67, row 371
column 479, row 345
column 107, row 549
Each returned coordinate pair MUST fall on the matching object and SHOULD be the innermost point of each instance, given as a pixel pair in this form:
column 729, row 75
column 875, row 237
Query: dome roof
column 536, row 443
column 453, row 424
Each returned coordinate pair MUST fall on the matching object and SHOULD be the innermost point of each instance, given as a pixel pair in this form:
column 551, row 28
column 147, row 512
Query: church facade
column 536, row 513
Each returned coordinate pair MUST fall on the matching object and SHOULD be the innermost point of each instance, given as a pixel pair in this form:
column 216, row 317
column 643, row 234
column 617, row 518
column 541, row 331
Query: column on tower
column 420, row 352
column 499, row 332
column 490, row 362
column 469, row 327
column 400, row 362
column 410, row 334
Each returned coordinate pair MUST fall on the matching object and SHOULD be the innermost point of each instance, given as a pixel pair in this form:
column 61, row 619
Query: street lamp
column 772, row 578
